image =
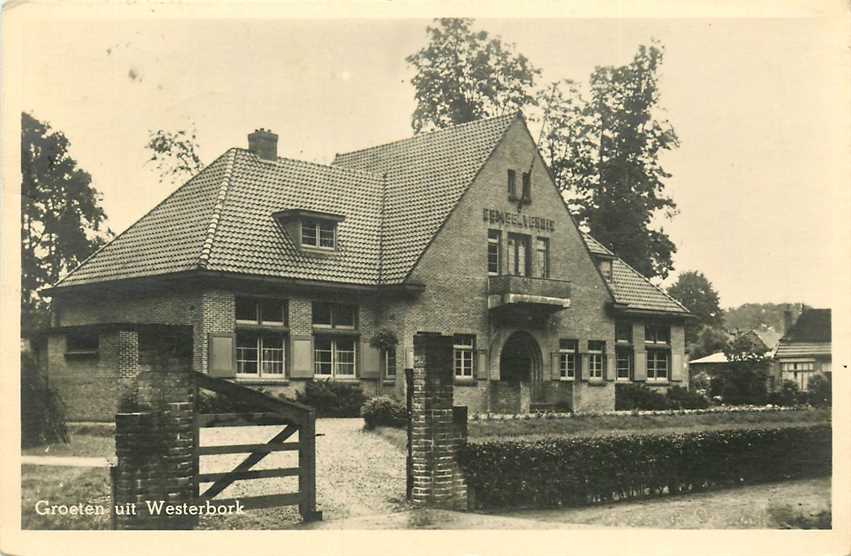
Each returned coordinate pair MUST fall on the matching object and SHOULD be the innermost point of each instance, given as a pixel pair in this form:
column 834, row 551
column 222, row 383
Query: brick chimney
column 788, row 320
column 264, row 144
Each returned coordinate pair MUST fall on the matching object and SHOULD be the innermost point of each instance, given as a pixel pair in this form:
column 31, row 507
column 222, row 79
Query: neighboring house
column 273, row 272
column 713, row 364
column 805, row 348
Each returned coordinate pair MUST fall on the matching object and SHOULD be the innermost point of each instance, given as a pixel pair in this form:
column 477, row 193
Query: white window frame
column 542, row 257
column 568, row 352
column 319, row 241
column 654, row 337
column 333, row 310
column 261, row 351
column 619, row 352
column 258, row 310
column 596, row 361
column 387, row 364
column 655, row 377
column 494, row 242
column 335, row 358
column 464, row 352
column 517, row 244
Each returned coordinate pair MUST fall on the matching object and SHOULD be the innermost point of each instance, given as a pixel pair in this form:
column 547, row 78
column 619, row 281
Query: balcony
column 534, row 293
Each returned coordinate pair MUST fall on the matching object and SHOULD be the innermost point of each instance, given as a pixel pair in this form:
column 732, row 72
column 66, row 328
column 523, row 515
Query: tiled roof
column 425, row 177
column 630, row 288
column 802, row 349
column 808, row 337
column 220, row 220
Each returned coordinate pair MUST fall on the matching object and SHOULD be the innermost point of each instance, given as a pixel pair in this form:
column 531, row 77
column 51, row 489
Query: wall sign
column 493, row 216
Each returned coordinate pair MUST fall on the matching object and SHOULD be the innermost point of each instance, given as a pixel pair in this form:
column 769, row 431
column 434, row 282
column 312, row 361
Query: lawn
column 66, row 486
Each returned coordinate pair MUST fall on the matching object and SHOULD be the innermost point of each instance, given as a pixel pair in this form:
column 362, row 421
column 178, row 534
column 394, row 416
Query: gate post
column 307, row 469
column 435, row 439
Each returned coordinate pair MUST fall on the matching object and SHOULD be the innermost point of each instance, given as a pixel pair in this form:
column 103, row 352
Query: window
column 334, row 357
column 657, row 334
column 623, row 363
column 657, row 364
column 568, row 360
column 596, row 358
column 464, row 350
column 335, row 315
column 82, row 344
column 494, row 240
column 527, row 187
column 512, row 184
column 518, row 254
column 261, row 311
column 260, row 355
column 318, row 233
column 606, row 269
column 799, row 366
column 623, row 332
column 542, row 257
column 390, row 363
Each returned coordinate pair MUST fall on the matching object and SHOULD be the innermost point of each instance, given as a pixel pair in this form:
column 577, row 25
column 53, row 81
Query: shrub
column 565, row 471
column 787, row 395
column 681, row 398
column 638, row 396
column 213, row 402
column 42, row 410
column 383, row 411
column 819, row 390
column 332, row 399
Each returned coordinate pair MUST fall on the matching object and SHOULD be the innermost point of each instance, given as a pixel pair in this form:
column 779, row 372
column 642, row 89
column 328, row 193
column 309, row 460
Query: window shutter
column 302, row 357
column 611, row 372
column 584, row 365
column 482, row 365
column 555, row 366
column 222, row 356
column 640, row 371
column 370, row 361
column 676, row 367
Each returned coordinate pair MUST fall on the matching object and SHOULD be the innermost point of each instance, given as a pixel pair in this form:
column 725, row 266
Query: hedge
column 384, row 411
column 332, row 399
column 558, row 472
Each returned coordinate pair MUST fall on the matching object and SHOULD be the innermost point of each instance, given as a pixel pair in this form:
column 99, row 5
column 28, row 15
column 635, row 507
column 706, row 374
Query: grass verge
column 64, row 486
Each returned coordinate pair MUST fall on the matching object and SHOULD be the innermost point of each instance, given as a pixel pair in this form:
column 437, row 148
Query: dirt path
column 358, row 474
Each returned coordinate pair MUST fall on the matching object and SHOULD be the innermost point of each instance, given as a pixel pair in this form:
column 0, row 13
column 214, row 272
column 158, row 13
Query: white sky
column 754, row 103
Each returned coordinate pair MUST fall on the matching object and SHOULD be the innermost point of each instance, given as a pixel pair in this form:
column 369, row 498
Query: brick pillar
column 435, row 438
column 155, row 447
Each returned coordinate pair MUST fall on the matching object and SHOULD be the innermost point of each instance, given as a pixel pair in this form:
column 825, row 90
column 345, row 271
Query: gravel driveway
column 358, row 474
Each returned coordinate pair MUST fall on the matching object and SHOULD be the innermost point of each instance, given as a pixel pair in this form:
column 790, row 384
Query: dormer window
column 319, row 233
column 310, row 230
column 606, row 269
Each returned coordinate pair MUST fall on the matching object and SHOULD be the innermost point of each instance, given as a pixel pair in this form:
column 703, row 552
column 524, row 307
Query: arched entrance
column 521, row 364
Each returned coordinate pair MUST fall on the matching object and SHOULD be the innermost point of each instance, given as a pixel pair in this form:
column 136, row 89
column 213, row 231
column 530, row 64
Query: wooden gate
column 296, row 418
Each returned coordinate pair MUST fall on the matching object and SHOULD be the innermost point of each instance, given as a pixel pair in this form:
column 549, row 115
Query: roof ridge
column 207, row 247
column 310, row 162
column 643, row 277
column 428, row 133
column 138, row 220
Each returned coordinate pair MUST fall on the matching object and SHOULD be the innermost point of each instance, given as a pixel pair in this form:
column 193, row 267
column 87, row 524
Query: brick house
column 274, row 272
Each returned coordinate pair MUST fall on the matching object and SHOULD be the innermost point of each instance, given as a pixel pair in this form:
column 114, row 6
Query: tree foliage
column 174, row 153
column 696, row 292
column 708, row 340
column 750, row 316
column 744, row 378
column 605, row 154
column 62, row 221
column 463, row 75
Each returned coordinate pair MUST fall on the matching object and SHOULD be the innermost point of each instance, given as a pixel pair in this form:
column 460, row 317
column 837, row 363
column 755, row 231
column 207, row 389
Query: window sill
column 563, row 379
column 81, row 353
column 313, row 250
column 335, row 331
column 241, row 325
column 388, row 381
column 242, row 379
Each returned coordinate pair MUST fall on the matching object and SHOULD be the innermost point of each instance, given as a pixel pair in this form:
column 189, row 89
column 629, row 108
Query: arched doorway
column 521, row 363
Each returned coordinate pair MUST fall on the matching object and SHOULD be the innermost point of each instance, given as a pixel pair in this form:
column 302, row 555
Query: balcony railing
column 522, row 290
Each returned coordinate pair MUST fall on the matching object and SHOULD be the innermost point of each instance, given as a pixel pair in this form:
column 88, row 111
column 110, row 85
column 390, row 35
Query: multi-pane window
column 512, row 184
column 334, row 356
column 81, row 343
column 596, row 358
column 318, row 233
column 261, row 311
column 657, row 334
column 527, row 187
column 260, row 355
column 799, row 366
column 390, row 363
column 542, row 257
column 623, row 362
column 464, row 348
column 658, row 363
column 518, row 254
column 494, row 237
column 568, row 359
column 334, row 315
column 623, row 332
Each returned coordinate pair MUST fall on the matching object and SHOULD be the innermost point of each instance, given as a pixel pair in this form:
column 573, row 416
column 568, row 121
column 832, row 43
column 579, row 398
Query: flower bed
column 708, row 410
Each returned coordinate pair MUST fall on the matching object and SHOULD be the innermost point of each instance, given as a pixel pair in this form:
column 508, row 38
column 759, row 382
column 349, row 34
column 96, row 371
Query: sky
column 754, row 102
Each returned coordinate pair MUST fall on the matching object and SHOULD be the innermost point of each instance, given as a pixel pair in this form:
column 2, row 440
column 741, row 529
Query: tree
column 605, row 153
column 62, row 222
column 709, row 340
column 464, row 75
column 746, row 374
column 175, row 153
column 695, row 291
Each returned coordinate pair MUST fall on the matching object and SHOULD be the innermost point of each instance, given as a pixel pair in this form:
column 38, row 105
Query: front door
column 521, row 365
